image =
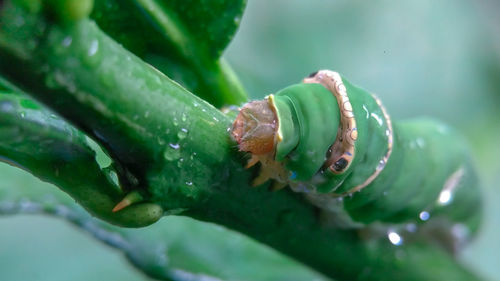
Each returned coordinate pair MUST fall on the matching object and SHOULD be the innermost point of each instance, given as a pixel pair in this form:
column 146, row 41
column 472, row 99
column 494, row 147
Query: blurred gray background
column 422, row 57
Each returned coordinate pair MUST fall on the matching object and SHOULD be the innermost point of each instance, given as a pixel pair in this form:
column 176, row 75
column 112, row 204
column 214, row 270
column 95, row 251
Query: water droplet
column 189, row 183
column 443, row 129
column 67, row 41
column 420, row 142
column 182, row 133
column 215, row 119
column 381, row 164
column 445, row 197
column 424, row 215
column 367, row 112
column 377, row 118
column 172, row 152
column 113, row 177
column 94, row 46
column 183, row 117
column 192, row 156
column 395, row 238
column 23, row 114
column 175, row 121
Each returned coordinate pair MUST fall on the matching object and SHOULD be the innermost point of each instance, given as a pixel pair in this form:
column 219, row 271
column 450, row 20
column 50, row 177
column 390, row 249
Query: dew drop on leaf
column 182, row 133
column 172, row 152
column 94, row 47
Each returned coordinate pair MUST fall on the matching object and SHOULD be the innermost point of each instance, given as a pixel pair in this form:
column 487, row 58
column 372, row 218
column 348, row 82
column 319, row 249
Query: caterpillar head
column 255, row 128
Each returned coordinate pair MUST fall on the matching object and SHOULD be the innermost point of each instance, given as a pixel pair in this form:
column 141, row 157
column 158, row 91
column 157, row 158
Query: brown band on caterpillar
column 341, row 153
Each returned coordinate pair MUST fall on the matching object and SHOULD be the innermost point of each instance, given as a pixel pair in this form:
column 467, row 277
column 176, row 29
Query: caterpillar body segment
column 336, row 143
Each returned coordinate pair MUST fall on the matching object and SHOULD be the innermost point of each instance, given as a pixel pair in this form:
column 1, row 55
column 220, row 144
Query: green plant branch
column 179, row 149
column 170, row 249
column 36, row 140
column 140, row 254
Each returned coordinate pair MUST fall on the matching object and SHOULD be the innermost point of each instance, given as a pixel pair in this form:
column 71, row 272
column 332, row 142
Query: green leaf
column 175, row 248
column 204, row 26
column 183, row 39
column 211, row 23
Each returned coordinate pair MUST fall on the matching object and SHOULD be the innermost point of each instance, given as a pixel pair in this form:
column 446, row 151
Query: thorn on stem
column 131, row 198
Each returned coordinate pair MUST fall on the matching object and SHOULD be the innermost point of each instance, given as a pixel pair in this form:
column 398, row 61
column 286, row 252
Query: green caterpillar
column 336, row 143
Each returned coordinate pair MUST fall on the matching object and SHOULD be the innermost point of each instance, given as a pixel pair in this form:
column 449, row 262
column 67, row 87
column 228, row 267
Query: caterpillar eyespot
column 336, row 143
column 339, row 165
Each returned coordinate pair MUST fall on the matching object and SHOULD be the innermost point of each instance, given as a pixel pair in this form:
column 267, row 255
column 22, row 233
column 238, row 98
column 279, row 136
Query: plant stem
column 38, row 141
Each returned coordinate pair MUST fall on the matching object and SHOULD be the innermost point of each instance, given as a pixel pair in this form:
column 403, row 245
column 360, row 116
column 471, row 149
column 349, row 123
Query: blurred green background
column 422, row 57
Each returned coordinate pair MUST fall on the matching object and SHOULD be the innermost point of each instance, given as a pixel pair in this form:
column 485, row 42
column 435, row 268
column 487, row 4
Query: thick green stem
column 179, row 148
column 36, row 140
